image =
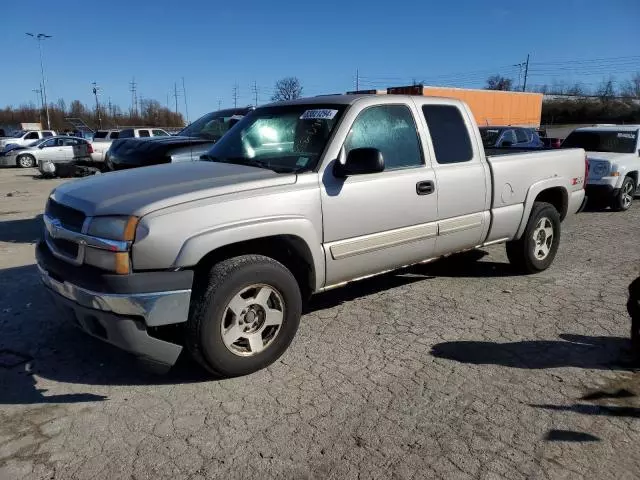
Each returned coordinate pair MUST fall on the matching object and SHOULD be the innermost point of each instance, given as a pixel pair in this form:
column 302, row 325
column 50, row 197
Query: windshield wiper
column 237, row 161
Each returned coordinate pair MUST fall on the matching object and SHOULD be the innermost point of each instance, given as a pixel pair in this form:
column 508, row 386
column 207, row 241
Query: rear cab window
column 143, row 133
column 449, row 133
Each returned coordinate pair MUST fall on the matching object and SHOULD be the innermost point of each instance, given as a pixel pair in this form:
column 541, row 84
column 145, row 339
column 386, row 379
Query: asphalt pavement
column 454, row 370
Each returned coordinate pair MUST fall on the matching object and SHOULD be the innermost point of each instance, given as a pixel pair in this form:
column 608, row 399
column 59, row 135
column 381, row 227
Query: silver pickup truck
column 218, row 256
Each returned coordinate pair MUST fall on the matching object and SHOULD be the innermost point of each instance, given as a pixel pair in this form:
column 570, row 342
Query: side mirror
column 506, row 143
column 360, row 161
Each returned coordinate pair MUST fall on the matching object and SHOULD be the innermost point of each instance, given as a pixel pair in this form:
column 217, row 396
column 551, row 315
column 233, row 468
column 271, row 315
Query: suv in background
column 142, row 133
column 507, row 137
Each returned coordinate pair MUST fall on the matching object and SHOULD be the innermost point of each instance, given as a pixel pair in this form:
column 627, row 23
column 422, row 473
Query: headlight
column 113, row 228
column 117, row 262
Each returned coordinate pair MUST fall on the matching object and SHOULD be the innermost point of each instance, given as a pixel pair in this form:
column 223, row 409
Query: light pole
column 39, row 37
column 96, row 89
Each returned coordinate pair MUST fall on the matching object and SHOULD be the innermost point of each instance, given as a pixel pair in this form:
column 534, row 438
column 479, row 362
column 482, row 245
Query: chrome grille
column 69, row 217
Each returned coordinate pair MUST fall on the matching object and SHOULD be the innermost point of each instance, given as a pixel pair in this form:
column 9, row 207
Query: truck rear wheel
column 245, row 317
column 538, row 246
column 622, row 201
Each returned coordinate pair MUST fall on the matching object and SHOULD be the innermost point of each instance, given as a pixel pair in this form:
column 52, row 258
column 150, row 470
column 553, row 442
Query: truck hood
column 608, row 156
column 144, row 190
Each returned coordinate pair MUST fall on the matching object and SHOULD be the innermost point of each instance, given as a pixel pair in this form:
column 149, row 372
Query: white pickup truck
column 101, row 143
column 217, row 256
column 25, row 137
column 613, row 152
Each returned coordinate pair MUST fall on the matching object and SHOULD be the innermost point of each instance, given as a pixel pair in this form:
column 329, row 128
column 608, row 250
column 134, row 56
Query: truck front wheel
column 622, row 201
column 538, row 246
column 245, row 317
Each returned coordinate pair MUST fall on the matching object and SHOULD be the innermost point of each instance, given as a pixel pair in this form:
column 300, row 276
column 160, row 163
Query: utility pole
column 175, row 95
column 357, row 80
column 520, row 67
column 186, row 108
column 526, row 73
column 134, row 99
column 235, row 96
column 38, row 91
column 255, row 93
column 39, row 37
column 110, row 108
column 96, row 89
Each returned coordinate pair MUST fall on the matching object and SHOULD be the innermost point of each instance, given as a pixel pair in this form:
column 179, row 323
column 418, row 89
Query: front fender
column 533, row 193
column 196, row 247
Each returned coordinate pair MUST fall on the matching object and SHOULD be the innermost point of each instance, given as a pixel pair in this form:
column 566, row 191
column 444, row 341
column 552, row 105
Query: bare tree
column 576, row 89
column 606, row 91
column 631, row 88
column 288, row 88
column 498, row 82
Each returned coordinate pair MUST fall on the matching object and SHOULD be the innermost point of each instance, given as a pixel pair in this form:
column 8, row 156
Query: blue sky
column 455, row 42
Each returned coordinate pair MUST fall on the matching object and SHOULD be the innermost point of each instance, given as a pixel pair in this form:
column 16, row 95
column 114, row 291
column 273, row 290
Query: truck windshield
column 282, row 138
column 603, row 141
column 489, row 136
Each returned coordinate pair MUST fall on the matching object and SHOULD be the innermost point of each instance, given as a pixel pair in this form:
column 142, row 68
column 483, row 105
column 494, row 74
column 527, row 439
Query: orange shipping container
column 495, row 107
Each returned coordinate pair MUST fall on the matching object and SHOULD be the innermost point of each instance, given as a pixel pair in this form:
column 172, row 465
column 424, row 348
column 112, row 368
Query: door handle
column 425, row 188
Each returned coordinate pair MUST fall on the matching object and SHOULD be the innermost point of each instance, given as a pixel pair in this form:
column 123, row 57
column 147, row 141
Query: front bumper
column 121, row 319
column 601, row 190
column 8, row 160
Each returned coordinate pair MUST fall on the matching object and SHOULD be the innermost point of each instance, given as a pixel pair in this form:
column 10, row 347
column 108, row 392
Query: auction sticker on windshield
column 319, row 114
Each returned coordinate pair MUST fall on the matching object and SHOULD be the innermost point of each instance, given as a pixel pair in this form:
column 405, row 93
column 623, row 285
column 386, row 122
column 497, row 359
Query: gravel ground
column 457, row 369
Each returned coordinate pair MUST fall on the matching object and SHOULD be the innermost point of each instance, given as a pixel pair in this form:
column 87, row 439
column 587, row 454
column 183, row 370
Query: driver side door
column 380, row 221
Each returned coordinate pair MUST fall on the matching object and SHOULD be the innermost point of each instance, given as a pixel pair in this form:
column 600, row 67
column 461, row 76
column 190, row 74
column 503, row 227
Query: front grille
column 65, row 246
column 69, row 217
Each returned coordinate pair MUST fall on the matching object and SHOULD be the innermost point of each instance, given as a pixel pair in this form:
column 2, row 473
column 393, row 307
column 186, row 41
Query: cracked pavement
column 456, row 369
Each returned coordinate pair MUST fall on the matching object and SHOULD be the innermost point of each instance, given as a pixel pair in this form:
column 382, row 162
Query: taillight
column 586, row 171
column 89, row 148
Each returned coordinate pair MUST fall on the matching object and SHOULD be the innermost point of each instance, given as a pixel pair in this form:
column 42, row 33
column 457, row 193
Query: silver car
column 47, row 152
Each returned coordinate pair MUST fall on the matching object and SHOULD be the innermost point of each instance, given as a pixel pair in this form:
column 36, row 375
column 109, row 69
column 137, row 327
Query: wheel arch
column 293, row 242
column 552, row 191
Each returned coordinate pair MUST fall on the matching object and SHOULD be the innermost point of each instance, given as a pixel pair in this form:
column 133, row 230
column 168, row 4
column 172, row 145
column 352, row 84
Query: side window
column 159, row 133
column 47, row 134
column 449, row 133
column 70, row 142
column 390, row 129
column 49, row 143
column 128, row 133
column 143, row 133
column 521, row 135
column 114, row 135
column 31, row 136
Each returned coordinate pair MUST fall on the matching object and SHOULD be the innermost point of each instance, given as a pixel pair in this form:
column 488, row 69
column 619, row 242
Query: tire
column 26, row 161
column 243, row 296
column 623, row 200
column 526, row 254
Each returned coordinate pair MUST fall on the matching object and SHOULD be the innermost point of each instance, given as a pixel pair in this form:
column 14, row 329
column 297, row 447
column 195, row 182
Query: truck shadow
column 21, row 231
column 461, row 265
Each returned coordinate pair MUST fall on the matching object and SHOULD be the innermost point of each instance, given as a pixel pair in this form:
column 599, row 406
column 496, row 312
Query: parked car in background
column 614, row 162
column 101, row 142
column 503, row 137
column 187, row 146
column 299, row 197
column 25, row 137
column 48, row 152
